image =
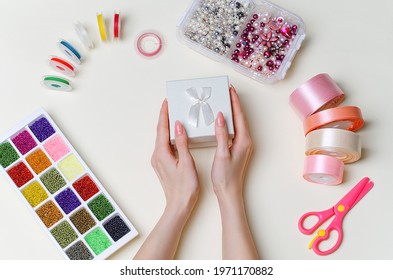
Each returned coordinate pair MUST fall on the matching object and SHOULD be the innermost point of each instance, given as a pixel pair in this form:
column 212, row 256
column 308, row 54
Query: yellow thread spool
column 101, row 26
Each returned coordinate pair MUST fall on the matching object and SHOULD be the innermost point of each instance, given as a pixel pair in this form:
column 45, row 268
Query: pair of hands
column 179, row 179
column 178, row 175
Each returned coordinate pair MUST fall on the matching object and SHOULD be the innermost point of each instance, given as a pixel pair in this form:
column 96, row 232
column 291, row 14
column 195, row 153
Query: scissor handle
column 324, row 235
column 322, row 216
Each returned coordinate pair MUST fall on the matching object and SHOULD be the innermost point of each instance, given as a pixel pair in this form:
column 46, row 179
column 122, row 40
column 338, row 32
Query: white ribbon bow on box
column 201, row 103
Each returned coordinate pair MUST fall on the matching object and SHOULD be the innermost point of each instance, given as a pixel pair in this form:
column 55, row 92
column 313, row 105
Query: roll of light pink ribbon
column 323, row 169
column 317, row 94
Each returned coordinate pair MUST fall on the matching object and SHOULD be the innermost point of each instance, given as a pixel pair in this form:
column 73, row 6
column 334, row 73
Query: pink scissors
column 339, row 210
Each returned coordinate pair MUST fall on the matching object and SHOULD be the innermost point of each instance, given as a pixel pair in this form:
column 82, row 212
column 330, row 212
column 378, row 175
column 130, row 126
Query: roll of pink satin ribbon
column 317, row 94
column 323, row 169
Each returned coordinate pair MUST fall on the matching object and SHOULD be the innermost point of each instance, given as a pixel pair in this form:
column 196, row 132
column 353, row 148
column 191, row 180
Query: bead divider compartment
column 104, row 225
column 264, row 73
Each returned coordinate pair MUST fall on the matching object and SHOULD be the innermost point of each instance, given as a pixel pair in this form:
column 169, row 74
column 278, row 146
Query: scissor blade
column 365, row 190
column 354, row 195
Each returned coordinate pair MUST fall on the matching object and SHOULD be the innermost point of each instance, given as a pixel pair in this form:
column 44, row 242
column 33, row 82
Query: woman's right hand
column 230, row 163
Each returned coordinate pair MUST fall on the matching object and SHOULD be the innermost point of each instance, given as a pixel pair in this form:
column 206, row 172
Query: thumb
column 181, row 140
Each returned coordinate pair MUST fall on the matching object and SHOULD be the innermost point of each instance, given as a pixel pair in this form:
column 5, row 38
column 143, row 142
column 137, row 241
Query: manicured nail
column 232, row 88
column 179, row 129
column 220, row 120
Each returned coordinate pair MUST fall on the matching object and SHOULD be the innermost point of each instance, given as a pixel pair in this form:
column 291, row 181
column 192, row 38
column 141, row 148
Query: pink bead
column 286, row 31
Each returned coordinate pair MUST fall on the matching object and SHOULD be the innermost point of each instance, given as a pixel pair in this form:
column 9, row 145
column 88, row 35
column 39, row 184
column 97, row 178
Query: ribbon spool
column 116, row 25
column 323, row 169
column 70, row 51
column 341, row 144
column 148, row 44
column 316, row 94
column 101, row 26
column 83, row 35
column 347, row 117
column 56, row 83
column 62, row 66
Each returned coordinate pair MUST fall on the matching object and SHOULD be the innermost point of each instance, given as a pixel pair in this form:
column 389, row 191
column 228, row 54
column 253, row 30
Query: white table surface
column 110, row 118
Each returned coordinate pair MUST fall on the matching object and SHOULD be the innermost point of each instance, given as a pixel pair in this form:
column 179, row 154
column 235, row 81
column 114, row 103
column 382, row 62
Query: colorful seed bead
column 56, row 148
column 67, row 200
column 49, row 213
column 42, row 129
column 20, row 174
column 101, row 207
column 83, row 221
column 85, row 187
column 8, row 155
column 24, row 142
column 79, row 251
column 64, row 234
column 34, row 193
column 98, row 240
column 38, row 161
column 116, row 228
column 52, row 180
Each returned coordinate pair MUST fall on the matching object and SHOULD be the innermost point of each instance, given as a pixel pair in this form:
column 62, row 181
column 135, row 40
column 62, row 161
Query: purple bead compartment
column 255, row 37
column 42, row 129
column 67, row 200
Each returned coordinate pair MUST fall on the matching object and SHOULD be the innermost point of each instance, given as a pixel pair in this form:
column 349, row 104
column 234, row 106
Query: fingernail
column 220, row 120
column 179, row 130
column 232, row 88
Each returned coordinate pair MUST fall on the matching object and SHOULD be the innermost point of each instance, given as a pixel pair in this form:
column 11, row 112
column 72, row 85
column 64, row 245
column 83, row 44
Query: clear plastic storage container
column 255, row 37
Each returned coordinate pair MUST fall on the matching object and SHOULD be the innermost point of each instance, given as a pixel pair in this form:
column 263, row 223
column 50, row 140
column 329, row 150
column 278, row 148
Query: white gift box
column 196, row 103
